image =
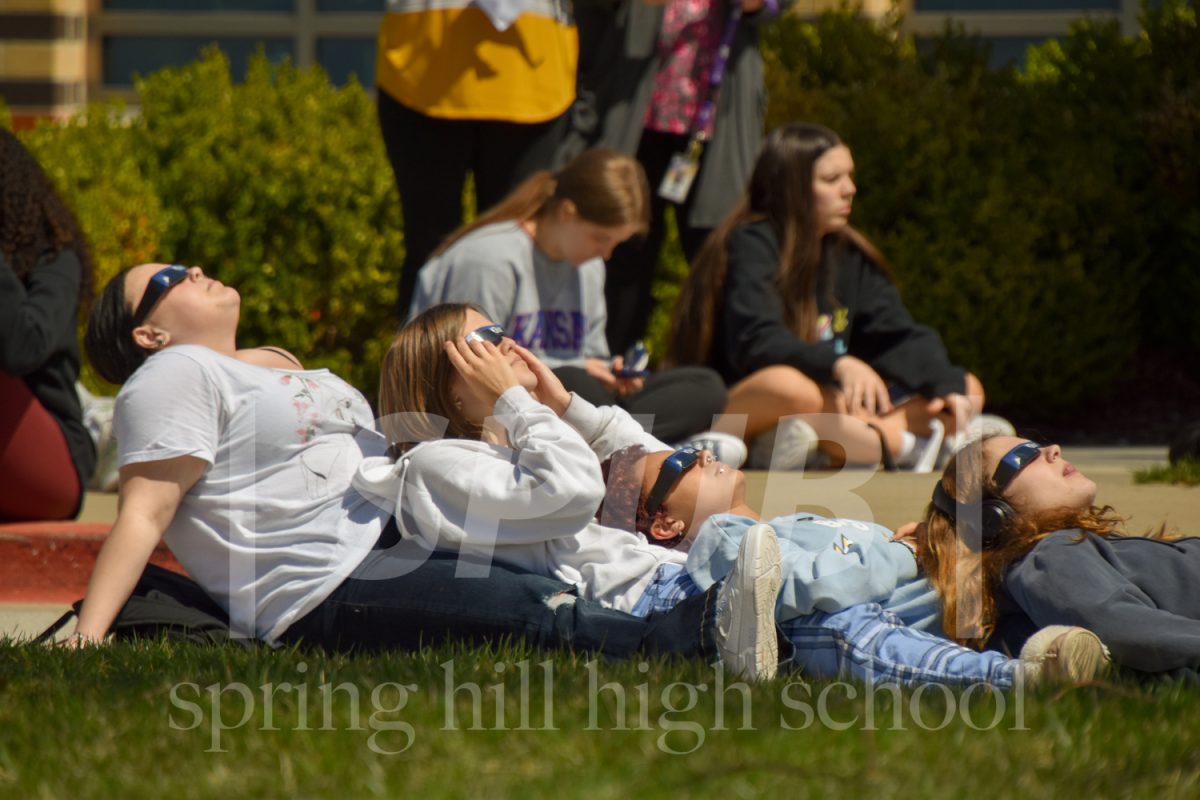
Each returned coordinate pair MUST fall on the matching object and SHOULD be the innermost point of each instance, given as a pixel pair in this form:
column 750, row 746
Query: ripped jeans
column 406, row 597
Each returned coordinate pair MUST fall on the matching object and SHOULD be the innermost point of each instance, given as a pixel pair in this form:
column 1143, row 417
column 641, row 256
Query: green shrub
column 278, row 186
column 1030, row 216
column 94, row 162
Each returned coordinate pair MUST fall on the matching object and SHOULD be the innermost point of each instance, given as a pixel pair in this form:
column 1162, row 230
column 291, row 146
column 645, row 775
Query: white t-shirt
column 273, row 526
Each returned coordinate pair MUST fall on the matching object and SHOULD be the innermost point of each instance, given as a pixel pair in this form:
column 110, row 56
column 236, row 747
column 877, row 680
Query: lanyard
column 681, row 172
column 703, row 122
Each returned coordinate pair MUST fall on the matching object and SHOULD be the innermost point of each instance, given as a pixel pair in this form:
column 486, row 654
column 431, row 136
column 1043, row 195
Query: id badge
column 678, row 181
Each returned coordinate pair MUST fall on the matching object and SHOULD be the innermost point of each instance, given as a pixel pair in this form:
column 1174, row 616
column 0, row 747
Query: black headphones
column 996, row 514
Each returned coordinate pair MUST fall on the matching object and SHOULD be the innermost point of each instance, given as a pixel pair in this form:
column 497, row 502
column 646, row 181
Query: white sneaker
column 746, row 607
column 982, row 425
column 789, row 445
column 1063, row 654
column 727, row 448
column 990, row 425
column 98, row 418
column 951, row 445
column 924, row 455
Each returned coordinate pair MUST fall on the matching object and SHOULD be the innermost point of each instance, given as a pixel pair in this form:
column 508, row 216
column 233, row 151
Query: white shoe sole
column 749, row 647
column 933, row 448
column 1065, row 654
column 790, row 445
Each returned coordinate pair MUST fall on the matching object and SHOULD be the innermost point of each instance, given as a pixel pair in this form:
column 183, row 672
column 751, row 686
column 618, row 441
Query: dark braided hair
column 34, row 221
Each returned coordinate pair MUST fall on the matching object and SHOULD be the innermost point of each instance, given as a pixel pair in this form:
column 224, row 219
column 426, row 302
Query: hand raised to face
column 484, row 373
column 549, row 389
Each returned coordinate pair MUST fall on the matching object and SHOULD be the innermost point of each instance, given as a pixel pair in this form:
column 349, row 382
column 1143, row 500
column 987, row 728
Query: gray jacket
column 618, row 62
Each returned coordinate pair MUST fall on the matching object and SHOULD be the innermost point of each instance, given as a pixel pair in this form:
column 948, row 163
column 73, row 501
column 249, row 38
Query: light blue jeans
column 864, row 642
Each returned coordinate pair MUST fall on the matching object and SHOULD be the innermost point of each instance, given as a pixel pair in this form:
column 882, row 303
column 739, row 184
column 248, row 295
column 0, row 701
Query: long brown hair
column 780, row 191
column 968, row 577
column 415, row 401
column 607, row 188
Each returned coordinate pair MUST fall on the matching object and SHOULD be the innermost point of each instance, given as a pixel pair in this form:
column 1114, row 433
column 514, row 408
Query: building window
column 350, row 6
column 170, row 6
column 345, row 56
column 126, row 56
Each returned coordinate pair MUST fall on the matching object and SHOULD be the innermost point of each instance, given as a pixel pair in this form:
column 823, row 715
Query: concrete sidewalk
column 895, row 498
column 888, row 498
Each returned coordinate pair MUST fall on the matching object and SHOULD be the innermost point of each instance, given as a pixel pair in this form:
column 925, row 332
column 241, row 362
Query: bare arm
column 150, row 494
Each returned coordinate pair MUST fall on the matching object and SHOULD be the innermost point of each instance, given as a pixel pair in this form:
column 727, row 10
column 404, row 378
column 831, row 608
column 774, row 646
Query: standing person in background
column 480, row 88
column 800, row 315
column 535, row 264
column 46, row 453
column 650, row 87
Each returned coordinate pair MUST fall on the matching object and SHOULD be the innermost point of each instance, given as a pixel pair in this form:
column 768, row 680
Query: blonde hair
column 607, row 188
column 415, row 401
column 967, row 577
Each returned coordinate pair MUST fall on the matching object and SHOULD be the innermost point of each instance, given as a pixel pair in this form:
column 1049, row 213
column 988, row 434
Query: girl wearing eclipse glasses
column 493, row 458
column 242, row 462
column 1024, row 520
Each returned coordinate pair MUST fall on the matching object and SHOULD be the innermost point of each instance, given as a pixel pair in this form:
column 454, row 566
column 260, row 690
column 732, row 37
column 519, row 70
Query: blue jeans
column 862, row 641
column 870, row 644
column 429, row 603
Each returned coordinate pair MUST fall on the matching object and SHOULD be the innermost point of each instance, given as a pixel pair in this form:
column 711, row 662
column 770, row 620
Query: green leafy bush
column 1021, row 210
column 94, row 162
column 278, row 186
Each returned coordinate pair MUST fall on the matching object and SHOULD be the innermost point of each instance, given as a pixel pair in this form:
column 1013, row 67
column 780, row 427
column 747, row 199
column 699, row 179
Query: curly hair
column 967, row 576
column 34, row 221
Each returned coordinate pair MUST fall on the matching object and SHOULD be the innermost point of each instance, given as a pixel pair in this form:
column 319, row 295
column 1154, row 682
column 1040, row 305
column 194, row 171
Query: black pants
column 632, row 268
column 679, row 402
column 431, row 158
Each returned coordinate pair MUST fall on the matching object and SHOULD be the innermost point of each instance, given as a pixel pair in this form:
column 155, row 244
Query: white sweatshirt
column 531, row 506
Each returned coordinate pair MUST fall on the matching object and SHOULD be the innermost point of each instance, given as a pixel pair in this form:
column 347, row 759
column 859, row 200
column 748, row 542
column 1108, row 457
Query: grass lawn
column 1185, row 471
column 162, row 720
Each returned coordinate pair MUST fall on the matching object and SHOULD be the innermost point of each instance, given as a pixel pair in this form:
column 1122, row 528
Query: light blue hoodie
column 828, row 565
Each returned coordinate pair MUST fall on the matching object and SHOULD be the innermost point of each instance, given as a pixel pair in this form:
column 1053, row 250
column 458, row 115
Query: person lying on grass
column 517, row 477
column 1023, row 519
column 242, row 461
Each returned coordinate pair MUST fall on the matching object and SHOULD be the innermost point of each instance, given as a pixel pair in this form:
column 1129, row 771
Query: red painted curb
column 70, row 530
column 51, row 562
